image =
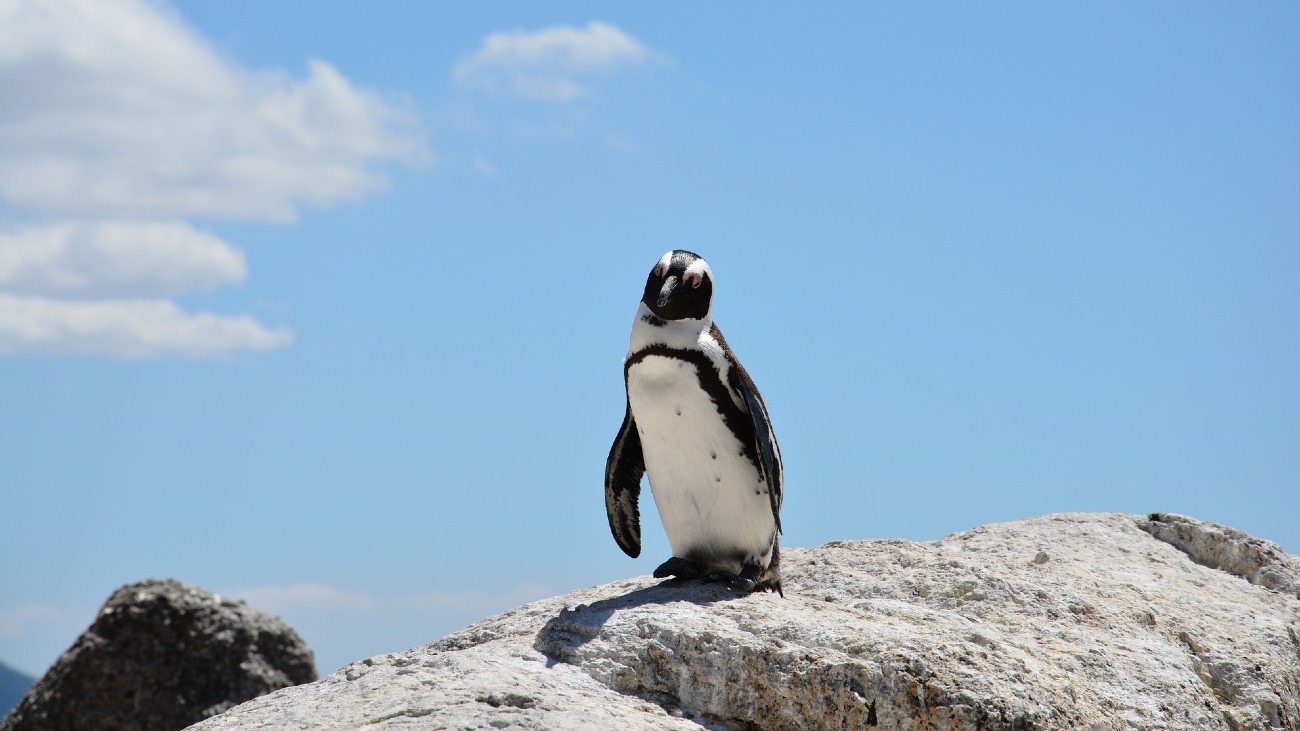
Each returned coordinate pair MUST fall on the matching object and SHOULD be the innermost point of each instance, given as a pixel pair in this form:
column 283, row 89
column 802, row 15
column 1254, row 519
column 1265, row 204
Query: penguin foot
column 684, row 570
column 761, row 580
column 679, row 568
column 750, row 579
column 735, row 581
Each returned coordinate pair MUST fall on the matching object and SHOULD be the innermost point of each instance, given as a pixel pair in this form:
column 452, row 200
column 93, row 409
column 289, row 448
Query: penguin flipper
column 623, row 472
column 764, row 438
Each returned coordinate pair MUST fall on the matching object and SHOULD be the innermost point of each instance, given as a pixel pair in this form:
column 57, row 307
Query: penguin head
column 680, row 287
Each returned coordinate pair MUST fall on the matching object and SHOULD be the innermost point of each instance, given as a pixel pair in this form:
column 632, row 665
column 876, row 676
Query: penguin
column 698, row 426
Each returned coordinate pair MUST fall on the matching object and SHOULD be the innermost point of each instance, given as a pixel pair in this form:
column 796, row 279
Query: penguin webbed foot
column 750, row 578
column 752, row 574
column 678, row 568
column 735, row 581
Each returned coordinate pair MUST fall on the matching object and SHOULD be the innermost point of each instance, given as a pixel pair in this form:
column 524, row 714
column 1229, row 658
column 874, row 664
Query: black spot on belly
column 717, row 479
column 713, row 453
column 677, row 410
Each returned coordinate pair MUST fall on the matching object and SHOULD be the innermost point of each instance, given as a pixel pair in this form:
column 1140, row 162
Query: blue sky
column 325, row 308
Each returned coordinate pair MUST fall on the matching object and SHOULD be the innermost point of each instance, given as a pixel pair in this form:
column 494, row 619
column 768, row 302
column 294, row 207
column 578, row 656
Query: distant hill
column 13, row 686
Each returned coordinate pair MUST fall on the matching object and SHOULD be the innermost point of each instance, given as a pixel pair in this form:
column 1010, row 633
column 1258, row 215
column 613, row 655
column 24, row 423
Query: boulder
column 1075, row 621
column 162, row 655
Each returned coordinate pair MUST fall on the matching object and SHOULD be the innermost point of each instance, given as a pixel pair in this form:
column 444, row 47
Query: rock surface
column 1076, row 621
column 1228, row 549
column 160, row 656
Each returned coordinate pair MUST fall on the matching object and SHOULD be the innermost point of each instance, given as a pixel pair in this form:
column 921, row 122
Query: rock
column 1077, row 621
column 160, row 656
column 1228, row 549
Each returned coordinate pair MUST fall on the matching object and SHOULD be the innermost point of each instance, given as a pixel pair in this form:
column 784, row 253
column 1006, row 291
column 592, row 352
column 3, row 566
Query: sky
column 324, row 307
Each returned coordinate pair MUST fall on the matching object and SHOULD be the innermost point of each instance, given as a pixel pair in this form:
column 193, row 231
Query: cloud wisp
column 341, row 625
column 119, row 123
column 116, row 259
column 554, row 64
column 344, row 625
column 127, row 329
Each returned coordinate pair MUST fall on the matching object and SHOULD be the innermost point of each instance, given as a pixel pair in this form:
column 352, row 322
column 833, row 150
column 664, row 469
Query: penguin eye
column 660, row 269
column 694, row 278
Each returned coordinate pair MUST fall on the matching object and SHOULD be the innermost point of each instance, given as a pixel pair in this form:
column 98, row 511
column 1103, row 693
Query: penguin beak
column 666, row 293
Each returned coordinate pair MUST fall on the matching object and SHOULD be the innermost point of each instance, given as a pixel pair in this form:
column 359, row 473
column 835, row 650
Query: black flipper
column 768, row 452
column 623, row 472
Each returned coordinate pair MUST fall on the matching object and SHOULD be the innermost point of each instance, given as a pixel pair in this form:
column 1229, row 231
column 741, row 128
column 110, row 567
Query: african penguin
column 698, row 426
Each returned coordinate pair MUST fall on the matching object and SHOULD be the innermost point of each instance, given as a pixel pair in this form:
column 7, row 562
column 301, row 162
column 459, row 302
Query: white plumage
column 711, row 498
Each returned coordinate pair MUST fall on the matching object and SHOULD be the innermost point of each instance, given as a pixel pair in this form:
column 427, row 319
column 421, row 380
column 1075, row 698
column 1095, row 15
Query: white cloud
column 118, row 122
column 31, row 617
column 551, row 64
column 117, row 108
column 340, row 625
column 484, row 167
column 343, row 625
column 313, row 597
column 296, row 597
column 34, row 634
column 126, row 329
column 116, row 259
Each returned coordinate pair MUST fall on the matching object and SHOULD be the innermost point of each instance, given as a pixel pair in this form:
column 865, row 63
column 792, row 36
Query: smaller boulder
column 160, row 656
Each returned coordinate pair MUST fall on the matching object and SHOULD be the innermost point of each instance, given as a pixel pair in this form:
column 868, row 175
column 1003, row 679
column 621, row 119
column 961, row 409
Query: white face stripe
column 662, row 267
column 696, row 271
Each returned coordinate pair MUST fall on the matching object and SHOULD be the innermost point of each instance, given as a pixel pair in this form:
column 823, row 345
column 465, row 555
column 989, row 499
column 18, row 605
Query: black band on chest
column 738, row 422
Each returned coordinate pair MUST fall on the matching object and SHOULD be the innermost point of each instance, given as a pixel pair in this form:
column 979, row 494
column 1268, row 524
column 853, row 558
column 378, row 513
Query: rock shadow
column 569, row 630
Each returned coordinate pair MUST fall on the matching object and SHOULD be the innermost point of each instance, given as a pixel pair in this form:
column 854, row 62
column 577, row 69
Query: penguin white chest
column 712, row 499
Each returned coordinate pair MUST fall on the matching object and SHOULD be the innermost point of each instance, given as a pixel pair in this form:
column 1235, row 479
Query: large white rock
column 1076, row 621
